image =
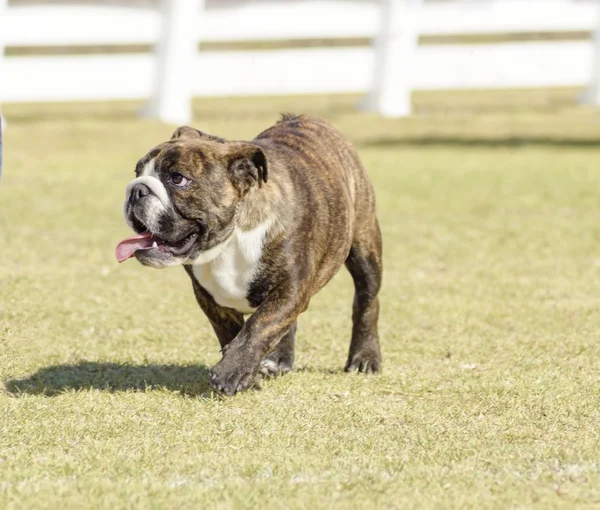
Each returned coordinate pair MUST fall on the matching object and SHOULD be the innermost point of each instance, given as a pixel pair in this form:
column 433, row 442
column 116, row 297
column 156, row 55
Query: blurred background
column 476, row 119
column 171, row 51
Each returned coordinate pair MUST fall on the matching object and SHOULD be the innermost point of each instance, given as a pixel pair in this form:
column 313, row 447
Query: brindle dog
column 260, row 228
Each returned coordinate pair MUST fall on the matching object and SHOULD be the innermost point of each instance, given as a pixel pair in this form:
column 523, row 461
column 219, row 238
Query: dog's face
column 183, row 200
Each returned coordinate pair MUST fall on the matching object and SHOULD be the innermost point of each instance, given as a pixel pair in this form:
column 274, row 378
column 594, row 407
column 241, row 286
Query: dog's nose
column 139, row 190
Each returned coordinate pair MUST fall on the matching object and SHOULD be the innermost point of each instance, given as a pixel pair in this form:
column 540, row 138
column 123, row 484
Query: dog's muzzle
column 147, row 184
column 155, row 202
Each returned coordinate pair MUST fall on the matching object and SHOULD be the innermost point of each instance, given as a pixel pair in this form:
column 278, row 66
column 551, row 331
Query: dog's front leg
column 226, row 322
column 240, row 364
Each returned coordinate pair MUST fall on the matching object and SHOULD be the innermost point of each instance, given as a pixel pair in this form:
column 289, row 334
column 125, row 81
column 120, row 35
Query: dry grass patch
column 490, row 211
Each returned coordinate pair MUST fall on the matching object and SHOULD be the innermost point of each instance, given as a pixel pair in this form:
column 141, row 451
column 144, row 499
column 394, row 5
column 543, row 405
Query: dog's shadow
column 50, row 381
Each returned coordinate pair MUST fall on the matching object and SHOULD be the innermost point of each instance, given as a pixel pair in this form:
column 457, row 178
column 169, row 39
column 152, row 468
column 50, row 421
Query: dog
column 260, row 227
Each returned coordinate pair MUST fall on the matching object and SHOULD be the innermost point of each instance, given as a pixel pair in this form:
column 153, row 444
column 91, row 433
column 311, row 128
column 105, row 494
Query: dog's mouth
column 149, row 242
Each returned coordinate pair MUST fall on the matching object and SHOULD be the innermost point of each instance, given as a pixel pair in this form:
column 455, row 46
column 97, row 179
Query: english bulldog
column 260, row 227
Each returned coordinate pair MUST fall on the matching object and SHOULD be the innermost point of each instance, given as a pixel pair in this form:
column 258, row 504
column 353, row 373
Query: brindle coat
column 307, row 178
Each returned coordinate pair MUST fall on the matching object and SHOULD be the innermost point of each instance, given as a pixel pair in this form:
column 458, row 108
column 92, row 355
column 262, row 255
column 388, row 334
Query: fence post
column 395, row 56
column 591, row 95
column 175, row 54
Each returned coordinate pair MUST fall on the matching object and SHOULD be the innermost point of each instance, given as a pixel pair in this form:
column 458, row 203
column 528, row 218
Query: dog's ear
column 190, row 133
column 186, row 132
column 247, row 166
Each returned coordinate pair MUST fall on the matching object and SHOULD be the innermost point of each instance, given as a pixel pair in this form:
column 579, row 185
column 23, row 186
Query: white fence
column 286, row 71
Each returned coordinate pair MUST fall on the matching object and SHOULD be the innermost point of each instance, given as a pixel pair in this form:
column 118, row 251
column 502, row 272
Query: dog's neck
column 254, row 209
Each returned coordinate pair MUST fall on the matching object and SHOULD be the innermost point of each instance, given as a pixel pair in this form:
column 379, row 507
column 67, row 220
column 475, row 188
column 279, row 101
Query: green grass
column 489, row 398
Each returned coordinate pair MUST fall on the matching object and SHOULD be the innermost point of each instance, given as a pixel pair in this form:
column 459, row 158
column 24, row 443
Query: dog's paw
column 273, row 365
column 230, row 378
column 366, row 362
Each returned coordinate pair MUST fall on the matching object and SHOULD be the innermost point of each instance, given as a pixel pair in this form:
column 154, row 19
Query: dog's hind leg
column 364, row 264
column 281, row 360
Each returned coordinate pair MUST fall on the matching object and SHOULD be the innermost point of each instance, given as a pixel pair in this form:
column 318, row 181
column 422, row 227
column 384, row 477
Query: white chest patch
column 227, row 270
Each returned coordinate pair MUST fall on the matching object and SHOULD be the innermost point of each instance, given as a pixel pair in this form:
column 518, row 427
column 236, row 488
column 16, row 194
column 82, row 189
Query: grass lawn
column 490, row 394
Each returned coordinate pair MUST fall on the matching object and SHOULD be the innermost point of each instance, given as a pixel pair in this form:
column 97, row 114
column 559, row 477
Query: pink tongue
column 127, row 247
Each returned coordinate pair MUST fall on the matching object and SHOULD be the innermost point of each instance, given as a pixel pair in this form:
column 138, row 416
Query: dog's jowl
column 260, row 227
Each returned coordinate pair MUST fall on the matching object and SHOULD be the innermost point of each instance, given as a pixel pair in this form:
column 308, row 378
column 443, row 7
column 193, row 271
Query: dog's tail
column 285, row 116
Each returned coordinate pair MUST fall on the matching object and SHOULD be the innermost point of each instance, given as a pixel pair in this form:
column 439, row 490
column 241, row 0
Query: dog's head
column 182, row 202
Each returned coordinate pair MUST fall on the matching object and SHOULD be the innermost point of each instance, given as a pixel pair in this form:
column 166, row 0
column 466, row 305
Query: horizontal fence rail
column 62, row 25
column 305, row 71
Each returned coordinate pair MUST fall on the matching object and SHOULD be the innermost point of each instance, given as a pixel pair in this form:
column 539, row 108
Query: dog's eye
column 178, row 179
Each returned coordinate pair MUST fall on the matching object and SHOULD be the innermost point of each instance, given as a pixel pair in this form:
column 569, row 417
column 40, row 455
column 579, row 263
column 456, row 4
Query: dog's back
column 319, row 149
column 332, row 193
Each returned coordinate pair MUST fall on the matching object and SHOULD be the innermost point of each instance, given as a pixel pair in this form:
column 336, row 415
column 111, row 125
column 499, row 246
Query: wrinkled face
column 182, row 202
